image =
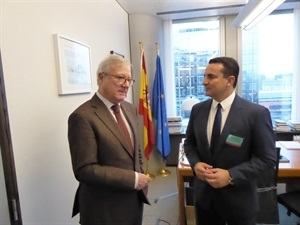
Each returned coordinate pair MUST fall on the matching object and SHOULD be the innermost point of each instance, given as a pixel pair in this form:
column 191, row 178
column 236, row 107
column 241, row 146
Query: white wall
column 38, row 116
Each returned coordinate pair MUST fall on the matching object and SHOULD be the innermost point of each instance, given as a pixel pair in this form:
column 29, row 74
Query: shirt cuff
column 136, row 180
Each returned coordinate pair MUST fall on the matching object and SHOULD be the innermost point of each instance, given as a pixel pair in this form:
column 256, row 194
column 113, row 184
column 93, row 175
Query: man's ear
column 100, row 77
column 231, row 80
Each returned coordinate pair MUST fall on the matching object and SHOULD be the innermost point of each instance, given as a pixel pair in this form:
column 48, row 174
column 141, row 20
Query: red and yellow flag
column 145, row 109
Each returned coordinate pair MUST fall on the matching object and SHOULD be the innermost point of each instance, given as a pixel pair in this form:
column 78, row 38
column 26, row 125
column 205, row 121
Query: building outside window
column 194, row 43
column 266, row 67
column 267, row 64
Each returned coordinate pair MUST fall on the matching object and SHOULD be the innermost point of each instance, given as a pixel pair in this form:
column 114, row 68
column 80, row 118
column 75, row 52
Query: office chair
column 291, row 201
column 268, row 212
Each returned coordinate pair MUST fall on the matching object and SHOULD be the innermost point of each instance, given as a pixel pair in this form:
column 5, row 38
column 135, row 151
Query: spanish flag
column 145, row 109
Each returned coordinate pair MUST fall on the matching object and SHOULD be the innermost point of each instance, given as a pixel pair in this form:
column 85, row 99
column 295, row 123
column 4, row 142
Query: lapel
column 105, row 116
column 230, row 123
column 200, row 123
column 203, row 126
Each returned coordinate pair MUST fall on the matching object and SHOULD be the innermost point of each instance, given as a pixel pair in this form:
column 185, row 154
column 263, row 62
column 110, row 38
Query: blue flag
column 159, row 112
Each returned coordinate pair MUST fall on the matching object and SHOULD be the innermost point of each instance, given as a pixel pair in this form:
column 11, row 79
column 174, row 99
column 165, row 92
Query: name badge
column 234, row 140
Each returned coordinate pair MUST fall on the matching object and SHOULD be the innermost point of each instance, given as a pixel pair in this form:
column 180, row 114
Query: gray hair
column 104, row 65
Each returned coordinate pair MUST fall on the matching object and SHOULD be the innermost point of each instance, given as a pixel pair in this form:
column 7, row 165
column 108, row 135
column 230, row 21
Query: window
column 269, row 56
column 267, row 64
column 194, row 43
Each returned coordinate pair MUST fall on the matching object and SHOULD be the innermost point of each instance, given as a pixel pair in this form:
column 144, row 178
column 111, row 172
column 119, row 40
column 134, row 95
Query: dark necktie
column 122, row 125
column 216, row 129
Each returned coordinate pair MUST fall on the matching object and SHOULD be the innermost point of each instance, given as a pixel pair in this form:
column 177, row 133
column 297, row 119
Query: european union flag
column 159, row 112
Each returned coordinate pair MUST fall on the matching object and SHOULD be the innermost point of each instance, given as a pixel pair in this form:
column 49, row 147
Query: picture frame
column 73, row 65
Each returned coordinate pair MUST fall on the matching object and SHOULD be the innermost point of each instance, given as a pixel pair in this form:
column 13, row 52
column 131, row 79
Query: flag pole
column 163, row 172
column 152, row 176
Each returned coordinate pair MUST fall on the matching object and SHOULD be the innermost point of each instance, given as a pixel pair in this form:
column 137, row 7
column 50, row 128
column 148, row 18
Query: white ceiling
column 182, row 9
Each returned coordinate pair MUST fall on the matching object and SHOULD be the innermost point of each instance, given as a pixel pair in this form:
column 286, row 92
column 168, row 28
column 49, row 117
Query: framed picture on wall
column 73, row 66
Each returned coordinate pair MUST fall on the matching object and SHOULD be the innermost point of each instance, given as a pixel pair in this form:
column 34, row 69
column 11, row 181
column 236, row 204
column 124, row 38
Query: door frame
column 8, row 157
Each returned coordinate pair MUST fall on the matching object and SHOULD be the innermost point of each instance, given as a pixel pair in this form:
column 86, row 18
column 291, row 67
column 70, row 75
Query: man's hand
column 217, row 177
column 143, row 181
column 201, row 169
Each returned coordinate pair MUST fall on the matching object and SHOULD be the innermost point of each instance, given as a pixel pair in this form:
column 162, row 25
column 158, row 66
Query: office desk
column 290, row 170
column 175, row 139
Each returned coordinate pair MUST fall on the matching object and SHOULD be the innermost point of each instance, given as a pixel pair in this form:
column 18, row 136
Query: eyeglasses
column 121, row 79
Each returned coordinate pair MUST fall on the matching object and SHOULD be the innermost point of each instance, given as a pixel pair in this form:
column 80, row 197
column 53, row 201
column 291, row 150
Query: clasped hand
column 216, row 177
column 143, row 181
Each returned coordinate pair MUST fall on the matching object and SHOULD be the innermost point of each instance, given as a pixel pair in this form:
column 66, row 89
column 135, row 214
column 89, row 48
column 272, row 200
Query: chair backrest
column 269, row 177
column 277, row 164
column 267, row 195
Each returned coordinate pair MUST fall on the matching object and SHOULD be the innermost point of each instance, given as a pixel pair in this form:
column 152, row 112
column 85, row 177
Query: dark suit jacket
column 245, row 120
column 103, row 165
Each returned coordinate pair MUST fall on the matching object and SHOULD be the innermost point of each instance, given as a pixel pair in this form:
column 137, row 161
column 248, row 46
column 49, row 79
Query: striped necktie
column 122, row 125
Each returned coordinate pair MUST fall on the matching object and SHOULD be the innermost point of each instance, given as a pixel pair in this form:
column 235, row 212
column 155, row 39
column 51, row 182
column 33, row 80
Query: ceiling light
column 254, row 11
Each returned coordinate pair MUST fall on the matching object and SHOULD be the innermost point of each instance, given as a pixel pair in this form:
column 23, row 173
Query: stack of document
column 281, row 125
column 175, row 124
column 294, row 125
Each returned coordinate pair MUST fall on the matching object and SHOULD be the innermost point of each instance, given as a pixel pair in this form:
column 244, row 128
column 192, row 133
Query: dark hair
column 230, row 67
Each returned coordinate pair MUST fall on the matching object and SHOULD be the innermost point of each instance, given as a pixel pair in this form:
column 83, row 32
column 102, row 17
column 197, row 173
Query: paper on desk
column 290, row 145
column 184, row 161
